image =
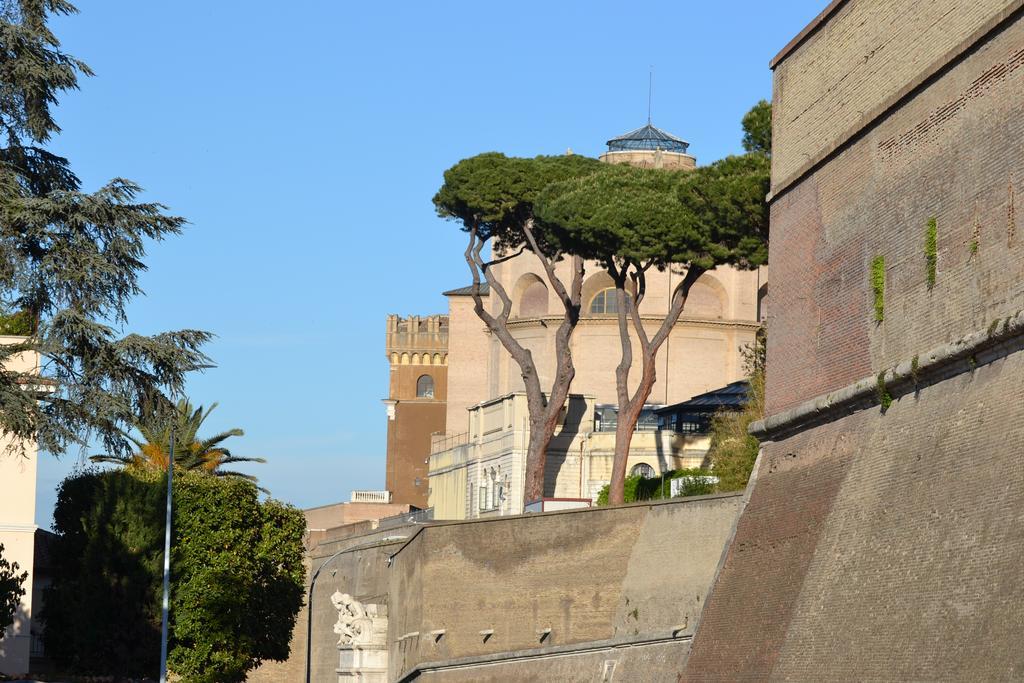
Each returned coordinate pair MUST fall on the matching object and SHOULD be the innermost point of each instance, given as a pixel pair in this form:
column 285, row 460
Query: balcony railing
column 371, row 496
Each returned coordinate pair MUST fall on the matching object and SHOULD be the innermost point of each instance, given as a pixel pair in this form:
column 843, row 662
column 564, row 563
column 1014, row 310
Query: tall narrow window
column 425, row 387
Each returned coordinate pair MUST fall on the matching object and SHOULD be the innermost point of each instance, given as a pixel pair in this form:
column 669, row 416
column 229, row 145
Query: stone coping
column 575, row 511
column 541, row 653
column 1003, row 336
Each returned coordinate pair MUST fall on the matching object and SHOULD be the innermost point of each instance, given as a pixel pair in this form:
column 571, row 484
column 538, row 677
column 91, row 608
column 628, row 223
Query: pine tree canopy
column 757, row 128
column 70, row 260
column 712, row 215
column 496, row 193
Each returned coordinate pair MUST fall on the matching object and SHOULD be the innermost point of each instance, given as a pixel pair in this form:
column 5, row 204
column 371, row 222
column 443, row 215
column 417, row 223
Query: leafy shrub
column 237, row 576
column 733, row 450
column 11, row 591
column 639, row 488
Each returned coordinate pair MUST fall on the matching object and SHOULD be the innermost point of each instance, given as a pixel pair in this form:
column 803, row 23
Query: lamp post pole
column 309, row 613
column 167, row 565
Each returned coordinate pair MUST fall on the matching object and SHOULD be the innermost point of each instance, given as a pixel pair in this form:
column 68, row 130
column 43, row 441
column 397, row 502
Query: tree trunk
column 543, row 410
column 630, row 406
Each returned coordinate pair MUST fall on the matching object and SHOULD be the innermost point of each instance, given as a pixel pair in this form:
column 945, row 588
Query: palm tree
column 191, row 452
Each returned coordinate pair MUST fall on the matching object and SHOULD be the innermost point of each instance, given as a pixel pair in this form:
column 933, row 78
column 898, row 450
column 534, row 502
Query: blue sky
column 304, row 141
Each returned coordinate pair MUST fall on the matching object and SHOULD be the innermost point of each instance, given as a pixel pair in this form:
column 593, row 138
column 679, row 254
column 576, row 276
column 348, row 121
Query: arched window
column 534, row 301
column 425, row 387
column 643, row 469
column 605, row 302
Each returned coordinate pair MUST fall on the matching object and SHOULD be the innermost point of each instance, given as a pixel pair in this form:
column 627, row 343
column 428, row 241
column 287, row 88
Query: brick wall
column 864, row 54
column 885, row 546
column 952, row 152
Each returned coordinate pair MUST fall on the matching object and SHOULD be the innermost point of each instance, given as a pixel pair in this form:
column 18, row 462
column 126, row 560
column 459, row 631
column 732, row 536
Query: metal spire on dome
column 648, row 137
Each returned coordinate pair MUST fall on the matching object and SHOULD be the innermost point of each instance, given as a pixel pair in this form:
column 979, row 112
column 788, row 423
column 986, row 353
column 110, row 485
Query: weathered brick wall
column 867, row 52
column 601, row 574
column 886, row 546
column 952, row 152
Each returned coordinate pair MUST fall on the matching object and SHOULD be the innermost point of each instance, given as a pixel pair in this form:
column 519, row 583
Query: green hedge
column 237, row 576
column 637, row 488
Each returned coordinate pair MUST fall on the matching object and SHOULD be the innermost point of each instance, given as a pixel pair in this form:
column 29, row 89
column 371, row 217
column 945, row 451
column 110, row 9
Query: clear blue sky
column 304, row 142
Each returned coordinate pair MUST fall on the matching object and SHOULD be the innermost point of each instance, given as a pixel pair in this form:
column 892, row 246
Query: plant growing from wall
column 931, row 251
column 882, row 392
column 70, row 260
column 1011, row 214
column 733, row 449
column 878, row 287
column 492, row 197
column 11, row 591
column 237, row 576
column 631, row 220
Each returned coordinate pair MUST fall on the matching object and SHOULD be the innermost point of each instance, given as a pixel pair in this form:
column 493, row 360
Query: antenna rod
column 650, row 90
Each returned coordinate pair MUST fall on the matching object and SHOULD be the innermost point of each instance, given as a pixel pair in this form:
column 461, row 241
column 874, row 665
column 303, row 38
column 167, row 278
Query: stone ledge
column 538, row 653
column 1003, row 336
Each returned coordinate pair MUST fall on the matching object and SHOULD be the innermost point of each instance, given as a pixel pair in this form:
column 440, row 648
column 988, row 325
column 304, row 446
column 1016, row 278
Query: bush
column 638, row 488
column 11, row 591
column 237, row 576
column 733, row 450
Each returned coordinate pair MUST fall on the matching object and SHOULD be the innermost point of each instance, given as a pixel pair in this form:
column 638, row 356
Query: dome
column 648, row 137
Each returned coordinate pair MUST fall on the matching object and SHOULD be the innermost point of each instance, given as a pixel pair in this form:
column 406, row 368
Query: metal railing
column 440, row 442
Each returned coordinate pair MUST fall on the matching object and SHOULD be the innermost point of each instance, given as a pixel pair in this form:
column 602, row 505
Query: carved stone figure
column 352, row 618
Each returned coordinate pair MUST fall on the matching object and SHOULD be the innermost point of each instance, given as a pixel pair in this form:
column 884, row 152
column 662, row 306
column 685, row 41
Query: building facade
column 18, row 463
column 417, row 352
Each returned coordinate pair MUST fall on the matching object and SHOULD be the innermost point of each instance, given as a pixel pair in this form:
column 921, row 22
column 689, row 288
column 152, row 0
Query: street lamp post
column 309, row 613
column 167, row 565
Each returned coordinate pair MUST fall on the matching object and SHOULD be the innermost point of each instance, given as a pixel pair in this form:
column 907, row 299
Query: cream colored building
column 701, row 353
column 18, row 527
column 480, row 472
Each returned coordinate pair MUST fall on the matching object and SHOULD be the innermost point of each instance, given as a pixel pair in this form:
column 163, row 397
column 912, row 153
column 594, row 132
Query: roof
column 42, row 552
column 468, row 290
column 731, row 396
column 648, row 137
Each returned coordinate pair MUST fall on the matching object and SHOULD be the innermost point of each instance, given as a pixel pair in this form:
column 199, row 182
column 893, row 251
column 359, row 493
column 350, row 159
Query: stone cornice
column 555, row 320
column 1003, row 337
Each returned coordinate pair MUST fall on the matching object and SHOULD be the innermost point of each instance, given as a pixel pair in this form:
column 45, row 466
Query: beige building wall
column 701, row 353
column 481, row 472
column 643, row 158
column 17, row 527
column 468, row 357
